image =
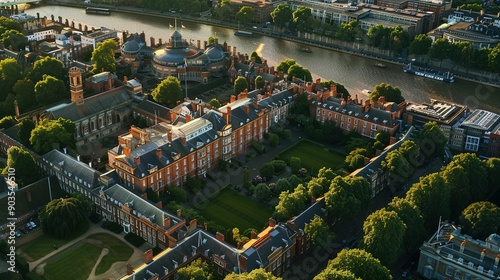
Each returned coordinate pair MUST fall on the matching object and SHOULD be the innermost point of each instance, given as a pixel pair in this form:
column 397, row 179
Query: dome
column 169, row 56
column 133, row 44
column 215, row 53
column 493, row 238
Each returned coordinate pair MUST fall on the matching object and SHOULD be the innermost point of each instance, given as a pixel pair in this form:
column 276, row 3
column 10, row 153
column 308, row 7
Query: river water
column 356, row 73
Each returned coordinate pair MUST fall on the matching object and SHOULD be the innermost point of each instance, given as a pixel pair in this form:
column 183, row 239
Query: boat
column 244, row 33
column 366, row 91
column 380, row 65
column 428, row 73
column 97, row 11
column 306, row 50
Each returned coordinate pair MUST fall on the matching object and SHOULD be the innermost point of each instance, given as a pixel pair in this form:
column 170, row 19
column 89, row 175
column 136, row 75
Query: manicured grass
column 231, row 209
column 44, row 244
column 313, row 155
column 74, row 263
column 77, row 261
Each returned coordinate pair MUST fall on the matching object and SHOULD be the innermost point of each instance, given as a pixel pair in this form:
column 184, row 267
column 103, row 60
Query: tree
column 24, row 132
column 262, row 191
column 23, row 164
column 356, row 159
column 10, row 73
column 256, row 274
column 197, row 270
column 290, row 204
column 410, row 215
column 301, row 17
column 14, row 39
column 391, row 94
column 347, row 196
column 432, row 198
column 294, row 181
column 361, row 263
column 47, row 66
column 223, row 10
column 326, row 173
column 283, row 185
column 245, row 14
column 341, row 90
column 267, row 170
column 456, row 179
column 152, row 195
column 480, row 219
column 214, row 103
column 256, row 58
column 383, row 235
column 193, row 184
column 282, row 15
column 49, row 90
column 259, row 82
column 432, row 139
column 315, row 188
column 475, row 7
column 440, row 50
column 7, row 122
column 400, row 38
column 63, row 217
column 421, row 44
column 318, row 231
column 299, row 72
column 397, row 166
column 279, row 165
column 212, row 40
column 284, row 65
column 411, row 152
column 493, row 169
column 380, row 36
column 494, row 59
column 295, row 164
column 476, row 171
column 103, row 56
column 240, row 84
column 348, row 31
column 52, row 132
column 335, row 274
column 177, row 194
column 168, row 92
column 25, row 94
column 9, row 24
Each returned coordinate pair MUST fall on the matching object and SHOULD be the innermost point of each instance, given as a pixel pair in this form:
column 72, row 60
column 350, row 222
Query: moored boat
column 428, row 73
column 306, row 50
column 380, row 65
column 97, row 11
column 244, row 33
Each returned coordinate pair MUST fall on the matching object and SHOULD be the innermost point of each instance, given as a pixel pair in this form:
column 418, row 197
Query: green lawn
column 44, row 244
column 313, row 155
column 231, row 209
column 85, row 254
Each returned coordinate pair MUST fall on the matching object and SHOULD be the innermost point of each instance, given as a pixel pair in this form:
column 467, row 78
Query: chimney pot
column 179, row 213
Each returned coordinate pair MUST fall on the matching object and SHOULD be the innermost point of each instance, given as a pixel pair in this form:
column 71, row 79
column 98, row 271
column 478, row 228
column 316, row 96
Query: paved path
column 104, row 252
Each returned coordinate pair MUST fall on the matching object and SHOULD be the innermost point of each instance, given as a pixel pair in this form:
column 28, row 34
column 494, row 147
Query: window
column 449, row 270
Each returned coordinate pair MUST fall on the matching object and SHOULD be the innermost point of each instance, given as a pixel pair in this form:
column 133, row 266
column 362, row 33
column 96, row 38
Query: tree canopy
column 335, row 274
column 256, row 274
column 284, row 65
column 214, row 103
column 62, row 217
column 256, row 58
column 421, row 44
column 391, row 94
column 47, row 66
column 24, row 164
column 24, row 132
column 281, row 15
column 300, row 72
column 361, row 263
column 103, row 56
column 7, row 122
column 223, row 10
column 240, row 84
column 347, row 196
column 168, row 92
column 301, row 17
column 480, row 219
column 245, row 14
column 259, row 82
column 197, row 270
column 14, row 39
column 50, row 132
column 10, row 73
column 410, row 215
column 49, row 90
column 432, row 139
column 318, row 231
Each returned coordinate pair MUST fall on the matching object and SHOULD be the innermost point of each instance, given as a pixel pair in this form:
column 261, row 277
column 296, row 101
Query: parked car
column 24, row 230
column 18, row 234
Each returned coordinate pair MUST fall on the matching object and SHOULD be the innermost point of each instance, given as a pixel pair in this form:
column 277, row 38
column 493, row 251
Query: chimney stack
column 148, row 256
column 188, row 118
column 219, row 236
column 232, row 99
column 247, row 109
column 253, row 235
column 179, row 213
column 272, row 222
column 166, row 222
column 159, row 153
column 130, row 270
column 137, row 160
column 16, row 108
column 110, row 81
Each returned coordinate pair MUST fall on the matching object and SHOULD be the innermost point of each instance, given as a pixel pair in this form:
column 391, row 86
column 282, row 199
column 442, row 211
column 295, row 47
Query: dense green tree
column 432, row 198
column 259, row 82
column 7, row 122
column 177, row 194
column 14, row 39
column 391, row 94
column 380, row 36
column 348, row 31
column 49, row 90
column 9, row 24
column 475, row 171
column 301, row 17
column 335, row 274
column 315, row 187
column 431, row 139
column 295, row 164
column 168, row 92
column 347, row 196
column 214, row 103
column 441, row 49
column 361, row 263
column 475, row 7
column 24, row 132
column 23, row 164
column 383, row 235
column 355, row 143
column 283, row 185
column 356, row 158
column 10, row 73
column 456, row 179
column 197, row 270
column 326, row 173
column 341, row 90
column 47, row 66
column 63, row 217
column 410, row 215
column 103, row 56
column 294, row 181
column 25, row 94
column 212, row 40
column 421, row 44
column 194, row 185
column 494, row 59
column 256, row 274
column 411, row 152
column 152, row 195
column 223, row 10
column 299, row 72
column 397, row 166
column 48, row 133
column 282, row 15
column 318, row 231
column 463, row 52
column 256, row 58
column 262, row 191
column 284, row 65
column 245, row 14
column 480, row 219
column 493, row 169
column 267, row 170
column 290, row 203
column 240, row 84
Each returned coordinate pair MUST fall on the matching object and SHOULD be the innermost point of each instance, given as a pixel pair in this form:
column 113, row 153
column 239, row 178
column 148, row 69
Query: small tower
column 16, row 108
column 75, row 83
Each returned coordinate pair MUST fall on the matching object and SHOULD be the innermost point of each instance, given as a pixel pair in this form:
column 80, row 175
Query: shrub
column 157, row 250
column 267, row 170
column 286, row 134
column 258, row 147
column 95, row 218
column 274, row 140
column 295, row 164
column 176, row 194
column 112, row 226
column 134, row 239
column 279, row 166
column 193, row 184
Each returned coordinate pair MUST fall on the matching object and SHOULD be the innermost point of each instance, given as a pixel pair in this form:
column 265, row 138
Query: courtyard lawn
column 44, row 245
column 231, row 209
column 85, row 253
column 313, row 155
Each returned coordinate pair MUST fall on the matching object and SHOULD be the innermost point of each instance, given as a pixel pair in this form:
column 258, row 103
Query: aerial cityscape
column 250, row 139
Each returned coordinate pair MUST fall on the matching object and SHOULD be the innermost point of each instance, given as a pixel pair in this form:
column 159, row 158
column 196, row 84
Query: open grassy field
column 85, row 253
column 313, row 155
column 44, row 245
column 231, row 209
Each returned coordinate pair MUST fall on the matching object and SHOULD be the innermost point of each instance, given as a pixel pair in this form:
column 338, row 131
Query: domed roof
column 215, row 52
column 493, row 238
column 133, row 44
column 169, row 56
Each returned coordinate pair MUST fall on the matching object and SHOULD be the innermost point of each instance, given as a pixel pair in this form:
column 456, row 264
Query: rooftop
column 481, row 119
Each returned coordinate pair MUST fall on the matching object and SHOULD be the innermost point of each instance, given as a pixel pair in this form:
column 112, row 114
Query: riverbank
column 356, row 49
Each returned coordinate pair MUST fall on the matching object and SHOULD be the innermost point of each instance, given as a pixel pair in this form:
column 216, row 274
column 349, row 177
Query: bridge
column 4, row 4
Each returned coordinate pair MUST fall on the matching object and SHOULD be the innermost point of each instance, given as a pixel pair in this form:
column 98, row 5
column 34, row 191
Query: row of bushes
column 134, row 239
column 112, row 226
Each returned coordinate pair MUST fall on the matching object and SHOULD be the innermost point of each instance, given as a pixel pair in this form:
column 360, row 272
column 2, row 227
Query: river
column 356, row 73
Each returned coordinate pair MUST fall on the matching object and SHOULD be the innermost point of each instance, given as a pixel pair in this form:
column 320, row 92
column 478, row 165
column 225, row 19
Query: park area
column 313, row 156
column 231, row 209
column 85, row 253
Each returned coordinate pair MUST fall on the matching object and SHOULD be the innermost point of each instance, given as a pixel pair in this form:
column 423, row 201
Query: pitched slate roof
column 92, row 105
column 72, row 168
column 198, row 242
column 140, row 207
column 154, row 109
column 218, row 122
column 316, row 209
